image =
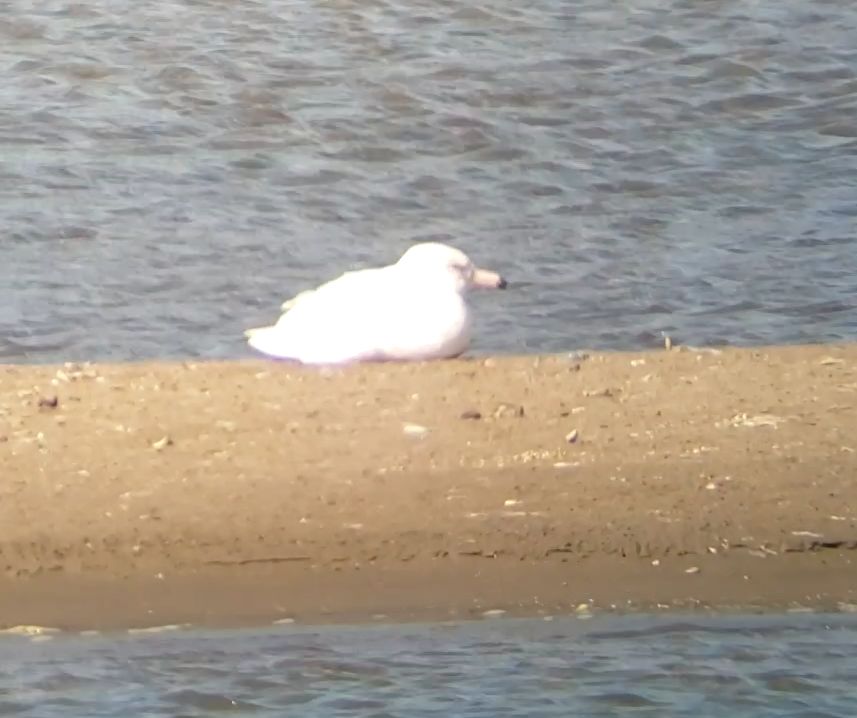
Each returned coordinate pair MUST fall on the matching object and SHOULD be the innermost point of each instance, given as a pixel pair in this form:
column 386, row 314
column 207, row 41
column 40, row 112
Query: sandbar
column 245, row 493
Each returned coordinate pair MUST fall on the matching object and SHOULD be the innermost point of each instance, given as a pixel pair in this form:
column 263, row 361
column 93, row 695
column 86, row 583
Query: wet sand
column 245, row 493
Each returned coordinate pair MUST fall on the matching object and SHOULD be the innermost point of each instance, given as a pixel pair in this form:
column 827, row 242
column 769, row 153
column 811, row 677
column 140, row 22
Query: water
column 641, row 665
column 173, row 170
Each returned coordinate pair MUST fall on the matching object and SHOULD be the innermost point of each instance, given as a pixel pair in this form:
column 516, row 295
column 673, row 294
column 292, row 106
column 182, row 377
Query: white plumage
column 414, row 310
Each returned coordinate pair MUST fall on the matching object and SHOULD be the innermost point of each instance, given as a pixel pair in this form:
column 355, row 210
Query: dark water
column 643, row 666
column 171, row 171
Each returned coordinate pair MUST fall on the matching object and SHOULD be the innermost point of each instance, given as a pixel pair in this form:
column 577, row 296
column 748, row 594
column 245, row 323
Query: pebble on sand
column 414, row 429
column 470, row 414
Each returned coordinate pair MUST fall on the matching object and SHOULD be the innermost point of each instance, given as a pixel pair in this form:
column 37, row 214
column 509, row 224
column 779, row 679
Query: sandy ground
column 243, row 493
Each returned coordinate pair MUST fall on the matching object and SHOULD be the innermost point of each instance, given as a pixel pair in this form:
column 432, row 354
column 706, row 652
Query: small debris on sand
column 29, row 630
column 607, row 393
column 162, row 443
column 159, row 629
column 509, row 410
column 414, row 430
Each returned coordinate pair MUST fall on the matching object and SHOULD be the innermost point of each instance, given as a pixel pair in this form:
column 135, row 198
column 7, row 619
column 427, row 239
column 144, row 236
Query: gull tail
column 271, row 342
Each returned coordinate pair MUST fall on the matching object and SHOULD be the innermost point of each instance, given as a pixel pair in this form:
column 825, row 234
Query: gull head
column 436, row 260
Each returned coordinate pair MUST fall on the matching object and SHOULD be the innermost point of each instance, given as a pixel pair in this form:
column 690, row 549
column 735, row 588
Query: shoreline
column 224, row 600
column 241, row 493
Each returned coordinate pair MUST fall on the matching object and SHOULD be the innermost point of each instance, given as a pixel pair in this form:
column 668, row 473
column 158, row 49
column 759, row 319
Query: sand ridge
column 160, row 475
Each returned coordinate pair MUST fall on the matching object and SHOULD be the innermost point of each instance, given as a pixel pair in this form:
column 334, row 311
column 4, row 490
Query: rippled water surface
column 172, row 170
column 788, row 666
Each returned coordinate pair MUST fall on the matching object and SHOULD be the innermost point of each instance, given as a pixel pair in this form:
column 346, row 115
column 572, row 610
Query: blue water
column 794, row 665
column 173, row 170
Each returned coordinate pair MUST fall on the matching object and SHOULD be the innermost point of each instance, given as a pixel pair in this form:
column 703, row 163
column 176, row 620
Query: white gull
column 414, row 310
